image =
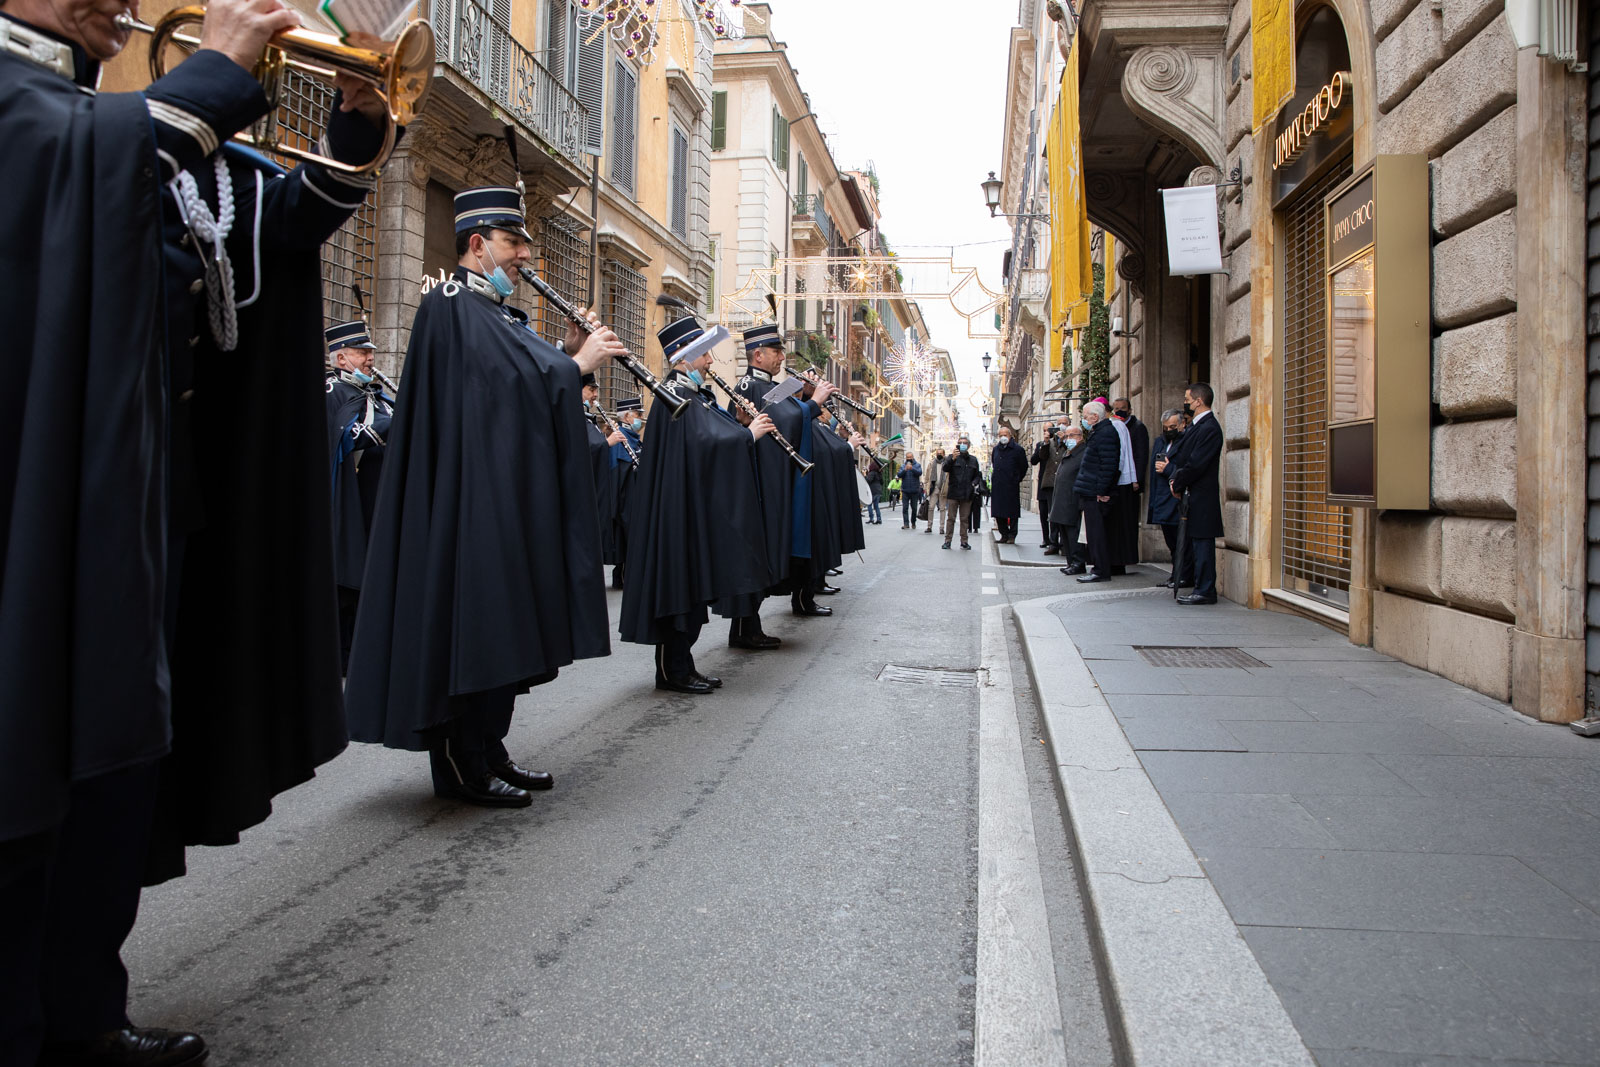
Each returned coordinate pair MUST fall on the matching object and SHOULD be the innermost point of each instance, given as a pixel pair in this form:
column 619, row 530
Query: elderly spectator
column 1096, row 485
column 1193, row 469
column 1047, row 455
column 1163, row 509
column 1010, row 464
column 1139, row 443
column 933, row 484
column 910, row 490
column 1066, row 509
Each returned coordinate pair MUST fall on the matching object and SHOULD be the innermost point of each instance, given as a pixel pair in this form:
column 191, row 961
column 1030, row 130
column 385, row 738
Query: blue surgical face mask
column 498, row 279
column 1086, row 424
column 962, row 447
column 694, row 376
column 1072, row 442
column 360, row 376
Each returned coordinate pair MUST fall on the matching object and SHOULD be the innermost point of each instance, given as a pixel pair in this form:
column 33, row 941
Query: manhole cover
column 1197, row 656
column 950, row 678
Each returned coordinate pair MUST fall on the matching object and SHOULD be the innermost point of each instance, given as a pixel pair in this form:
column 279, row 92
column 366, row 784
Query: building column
column 402, row 226
column 1547, row 651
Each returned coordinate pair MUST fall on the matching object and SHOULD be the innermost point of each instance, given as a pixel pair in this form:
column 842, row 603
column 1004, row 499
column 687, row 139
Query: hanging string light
column 632, row 23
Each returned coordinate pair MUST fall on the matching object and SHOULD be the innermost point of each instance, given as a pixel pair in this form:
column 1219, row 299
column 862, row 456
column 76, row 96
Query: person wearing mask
column 910, row 491
column 961, row 478
column 1066, row 510
column 1096, row 485
column 603, row 445
column 872, row 471
column 1163, row 507
column 1130, row 514
column 1192, row 468
column 626, row 454
column 980, row 492
column 1010, row 464
column 1047, row 455
column 933, row 484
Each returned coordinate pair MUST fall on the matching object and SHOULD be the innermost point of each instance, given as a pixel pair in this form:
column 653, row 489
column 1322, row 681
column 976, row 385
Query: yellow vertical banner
column 1071, row 270
column 1271, row 57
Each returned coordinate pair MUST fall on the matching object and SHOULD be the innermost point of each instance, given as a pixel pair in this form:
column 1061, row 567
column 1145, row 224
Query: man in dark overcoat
column 1010, row 466
column 1193, row 470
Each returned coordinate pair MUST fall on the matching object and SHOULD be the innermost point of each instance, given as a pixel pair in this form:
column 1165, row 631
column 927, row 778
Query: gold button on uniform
column 196, row 286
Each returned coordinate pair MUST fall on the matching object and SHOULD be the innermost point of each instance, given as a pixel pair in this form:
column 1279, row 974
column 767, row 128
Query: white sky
column 917, row 88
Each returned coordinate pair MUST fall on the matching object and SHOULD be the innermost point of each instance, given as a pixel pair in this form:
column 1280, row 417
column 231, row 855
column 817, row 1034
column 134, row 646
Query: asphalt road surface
column 782, row 872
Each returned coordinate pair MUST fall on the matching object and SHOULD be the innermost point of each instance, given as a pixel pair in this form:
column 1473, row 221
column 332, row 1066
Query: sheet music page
column 790, row 386
column 380, row 19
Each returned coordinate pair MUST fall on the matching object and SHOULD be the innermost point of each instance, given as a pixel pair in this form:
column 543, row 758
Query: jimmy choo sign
column 1315, row 115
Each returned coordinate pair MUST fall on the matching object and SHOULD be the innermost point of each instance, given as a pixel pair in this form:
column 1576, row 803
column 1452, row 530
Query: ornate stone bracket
column 1179, row 92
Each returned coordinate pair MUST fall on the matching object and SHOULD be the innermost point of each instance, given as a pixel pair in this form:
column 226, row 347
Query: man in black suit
column 1193, row 470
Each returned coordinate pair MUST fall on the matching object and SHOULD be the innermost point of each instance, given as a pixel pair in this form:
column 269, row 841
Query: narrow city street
column 784, row 872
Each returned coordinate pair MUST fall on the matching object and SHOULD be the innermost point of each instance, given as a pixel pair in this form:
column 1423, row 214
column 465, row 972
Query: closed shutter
column 624, row 125
column 780, row 140
column 1592, row 616
column 1315, row 535
column 719, row 121
column 679, row 208
column 802, row 180
column 589, row 57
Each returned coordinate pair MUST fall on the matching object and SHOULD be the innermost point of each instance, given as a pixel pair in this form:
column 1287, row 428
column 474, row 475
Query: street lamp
column 991, row 199
column 987, row 359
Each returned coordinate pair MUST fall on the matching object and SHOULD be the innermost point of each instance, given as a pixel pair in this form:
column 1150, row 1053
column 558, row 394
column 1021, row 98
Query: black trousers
column 1203, row 550
column 1169, row 534
column 474, row 737
column 977, row 514
column 1046, row 496
column 70, row 896
column 747, row 625
column 675, row 655
column 1096, row 530
column 349, row 600
column 1065, row 535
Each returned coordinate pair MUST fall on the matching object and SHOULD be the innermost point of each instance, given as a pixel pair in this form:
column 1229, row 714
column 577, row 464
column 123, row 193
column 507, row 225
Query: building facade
column 1462, row 121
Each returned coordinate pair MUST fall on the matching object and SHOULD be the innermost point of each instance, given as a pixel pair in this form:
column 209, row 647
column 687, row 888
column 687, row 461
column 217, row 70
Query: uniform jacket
column 1194, row 468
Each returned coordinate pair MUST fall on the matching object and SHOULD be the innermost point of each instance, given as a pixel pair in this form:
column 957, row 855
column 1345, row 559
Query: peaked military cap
column 767, row 335
column 347, row 335
column 499, row 206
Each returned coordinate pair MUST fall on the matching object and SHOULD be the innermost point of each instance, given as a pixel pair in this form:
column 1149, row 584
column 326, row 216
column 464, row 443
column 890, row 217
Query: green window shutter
column 776, row 118
column 719, row 121
column 783, row 156
column 800, row 315
column 804, row 177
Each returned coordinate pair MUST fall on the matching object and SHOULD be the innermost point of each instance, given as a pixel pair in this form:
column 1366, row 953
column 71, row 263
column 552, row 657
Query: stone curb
column 1184, row 987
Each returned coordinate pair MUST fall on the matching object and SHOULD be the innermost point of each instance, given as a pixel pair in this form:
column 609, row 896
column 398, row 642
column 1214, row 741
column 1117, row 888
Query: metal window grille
column 564, row 263
column 350, row 256
column 1315, row 535
column 622, row 303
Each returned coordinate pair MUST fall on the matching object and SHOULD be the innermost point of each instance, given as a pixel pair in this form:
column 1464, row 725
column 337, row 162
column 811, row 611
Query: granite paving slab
column 1465, row 825
column 1402, row 737
column 1128, row 706
column 1262, row 820
column 1271, row 772
column 1193, row 734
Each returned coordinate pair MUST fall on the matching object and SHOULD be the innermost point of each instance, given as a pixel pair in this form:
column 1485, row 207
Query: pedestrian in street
column 1131, row 497
column 894, row 490
column 980, row 493
column 1010, row 465
column 910, row 490
column 1192, row 468
column 933, row 481
column 1047, row 456
column 962, row 476
column 1164, row 507
column 1096, row 486
column 873, row 473
column 1066, row 508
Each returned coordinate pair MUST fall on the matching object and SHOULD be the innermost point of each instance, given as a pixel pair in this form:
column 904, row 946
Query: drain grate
column 950, row 678
column 1197, row 656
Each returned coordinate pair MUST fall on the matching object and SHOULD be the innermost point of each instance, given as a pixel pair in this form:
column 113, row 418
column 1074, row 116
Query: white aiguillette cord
column 213, row 230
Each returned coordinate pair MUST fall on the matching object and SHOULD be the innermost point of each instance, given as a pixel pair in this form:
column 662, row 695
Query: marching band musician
column 836, row 516
column 358, row 422
column 782, row 486
column 159, row 681
column 483, row 570
column 697, row 531
column 602, row 464
column 625, row 457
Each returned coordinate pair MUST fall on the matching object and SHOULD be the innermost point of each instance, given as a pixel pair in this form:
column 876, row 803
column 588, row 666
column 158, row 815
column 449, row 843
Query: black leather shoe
column 756, row 643
column 811, row 609
column 827, row 590
column 132, row 1046
column 683, row 685
column 713, row 682
column 486, row 792
column 1168, row 584
column 523, row 778
column 966, row 546
column 945, row 545
column 1085, row 579
column 1051, row 550
column 1197, row 600
column 1046, row 544
column 1073, row 568
column 834, row 572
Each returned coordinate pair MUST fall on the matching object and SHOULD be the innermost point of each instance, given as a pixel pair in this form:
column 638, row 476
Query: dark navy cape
column 483, row 568
column 83, row 420
column 776, row 474
column 601, row 462
column 696, row 532
column 357, row 468
column 827, row 524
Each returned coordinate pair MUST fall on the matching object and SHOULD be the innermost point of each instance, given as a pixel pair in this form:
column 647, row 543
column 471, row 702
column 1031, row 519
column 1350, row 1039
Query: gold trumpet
column 399, row 72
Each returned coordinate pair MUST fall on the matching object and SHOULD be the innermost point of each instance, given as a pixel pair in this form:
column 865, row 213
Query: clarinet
column 811, row 377
column 385, row 381
column 750, row 409
column 610, row 428
column 659, row 389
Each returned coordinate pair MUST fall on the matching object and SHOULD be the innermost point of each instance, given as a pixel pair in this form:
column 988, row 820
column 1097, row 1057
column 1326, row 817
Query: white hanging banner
column 1194, row 242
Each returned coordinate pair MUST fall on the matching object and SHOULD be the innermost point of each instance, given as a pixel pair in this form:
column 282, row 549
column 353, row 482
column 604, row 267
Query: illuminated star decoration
column 910, row 365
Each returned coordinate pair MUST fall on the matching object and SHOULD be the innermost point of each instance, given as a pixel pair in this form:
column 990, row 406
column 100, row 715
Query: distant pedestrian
column 933, row 482
column 1095, row 486
column 1163, row 507
column 910, row 490
column 1047, row 455
column 1066, row 507
column 874, row 476
column 1193, row 468
column 961, row 477
column 1010, row 466
column 894, row 490
column 980, row 493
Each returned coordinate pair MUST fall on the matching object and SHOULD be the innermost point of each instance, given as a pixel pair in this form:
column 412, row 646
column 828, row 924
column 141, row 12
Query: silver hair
column 1095, row 408
column 1167, row 414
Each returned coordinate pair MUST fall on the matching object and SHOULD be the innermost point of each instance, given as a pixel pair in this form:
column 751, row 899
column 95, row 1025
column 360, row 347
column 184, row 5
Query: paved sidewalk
column 1412, row 865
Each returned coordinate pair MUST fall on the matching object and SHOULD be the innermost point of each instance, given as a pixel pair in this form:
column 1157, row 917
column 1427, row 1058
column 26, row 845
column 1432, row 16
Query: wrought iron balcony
column 808, row 208
column 482, row 51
